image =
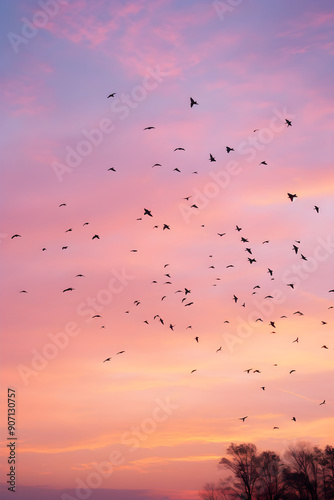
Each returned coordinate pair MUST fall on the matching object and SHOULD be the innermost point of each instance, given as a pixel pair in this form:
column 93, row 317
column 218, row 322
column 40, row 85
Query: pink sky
column 143, row 422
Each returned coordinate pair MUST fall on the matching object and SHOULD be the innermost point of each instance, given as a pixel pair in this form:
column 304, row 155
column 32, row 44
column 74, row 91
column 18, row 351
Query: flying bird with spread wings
column 292, row 196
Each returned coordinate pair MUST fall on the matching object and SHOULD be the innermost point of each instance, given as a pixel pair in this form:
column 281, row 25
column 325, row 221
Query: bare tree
column 210, row 492
column 326, row 465
column 305, row 473
column 270, row 485
column 244, row 465
column 303, row 468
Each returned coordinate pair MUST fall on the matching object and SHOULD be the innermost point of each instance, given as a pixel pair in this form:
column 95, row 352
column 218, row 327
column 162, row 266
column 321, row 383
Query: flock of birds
column 186, row 291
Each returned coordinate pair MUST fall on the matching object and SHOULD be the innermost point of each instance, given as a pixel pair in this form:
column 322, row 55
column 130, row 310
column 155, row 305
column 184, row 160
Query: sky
column 153, row 422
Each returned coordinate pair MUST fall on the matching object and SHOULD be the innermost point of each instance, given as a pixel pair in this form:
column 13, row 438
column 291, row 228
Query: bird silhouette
column 147, row 212
column 192, row 102
column 316, row 208
column 323, row 403
column 228, row 149
column 243, row 418
column 111, row 95
column 212, row 158
column 149, row 128
column 96, row 237
column 294, row 419
column 292, row 196
column 288, row 122
column 68, row 289
column 196, row 338
column 16, row 236
column 107, row 359
column 179, row 149
column 291, row 371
